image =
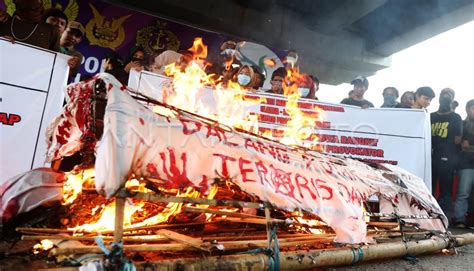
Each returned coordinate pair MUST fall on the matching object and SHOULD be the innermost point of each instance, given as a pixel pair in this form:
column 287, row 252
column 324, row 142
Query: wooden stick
column 42, row 230
column 259, row 221
column 119, row 213
column 181, row 238
column 142, row 238
column 383, row 224
column 211, row 202
column 218, row 212
column 153, row 227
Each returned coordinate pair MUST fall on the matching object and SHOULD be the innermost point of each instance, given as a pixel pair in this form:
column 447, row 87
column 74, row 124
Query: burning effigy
column 167, row 179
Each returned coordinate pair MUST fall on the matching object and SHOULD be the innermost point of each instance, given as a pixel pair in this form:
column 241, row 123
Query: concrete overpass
column 336, row 39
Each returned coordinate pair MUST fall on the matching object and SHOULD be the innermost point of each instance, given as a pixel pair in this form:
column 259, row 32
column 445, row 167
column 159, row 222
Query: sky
column 446, row 60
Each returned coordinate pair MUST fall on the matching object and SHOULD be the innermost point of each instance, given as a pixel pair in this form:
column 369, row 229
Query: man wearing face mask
column 390, row 96
column 25, row 25
column 446, row 131
column 361, row 84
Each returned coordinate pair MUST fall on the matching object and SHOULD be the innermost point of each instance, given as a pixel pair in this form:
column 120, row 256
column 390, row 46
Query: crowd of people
column 452, row 138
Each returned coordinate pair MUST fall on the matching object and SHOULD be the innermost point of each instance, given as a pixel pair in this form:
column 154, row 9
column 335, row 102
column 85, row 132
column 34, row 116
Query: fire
column 231, row 108
column 44, row 245
column 107, row 218
column 136, row 185
column 74, row 183
column 306, row 224
column 301, row 124
column 270, row 62
column 188, row 85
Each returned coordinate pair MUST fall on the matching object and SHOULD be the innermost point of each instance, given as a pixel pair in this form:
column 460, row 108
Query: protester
column 407, row 100
column 56, row 18
column 278, row 76
column 446, row 131
column 259, row 77
column 113, row 64
column 137, row 60
column 164, row 59
column 423, row 97
column 246, row 77
column 25, row 26
column 390, row 96
column 466, row 167
column 306, row 87
column 316, row 85
column 70, row 38
column 361, row 84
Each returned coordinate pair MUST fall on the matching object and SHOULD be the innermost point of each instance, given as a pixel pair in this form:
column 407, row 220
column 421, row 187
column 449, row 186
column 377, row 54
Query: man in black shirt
column 446, row 128
column 361, row 84
column 466, row 167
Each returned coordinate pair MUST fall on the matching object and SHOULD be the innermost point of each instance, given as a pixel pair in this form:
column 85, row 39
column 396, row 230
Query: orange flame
column 270, row 62
column 107, row 218
column 74, row 183
column 301, row 124
column 199, row 49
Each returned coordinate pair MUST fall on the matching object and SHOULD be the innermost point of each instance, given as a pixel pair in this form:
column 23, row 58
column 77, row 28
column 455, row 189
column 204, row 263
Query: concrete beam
column 345, row 15
column 430, row 29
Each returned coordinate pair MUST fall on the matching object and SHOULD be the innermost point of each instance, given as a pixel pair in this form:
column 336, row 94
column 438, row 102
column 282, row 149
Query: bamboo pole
column 298, row 260
column 119, row 214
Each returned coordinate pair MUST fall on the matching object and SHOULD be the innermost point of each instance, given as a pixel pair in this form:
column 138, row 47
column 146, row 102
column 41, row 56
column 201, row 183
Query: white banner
column 31, row 95
column 399, row 137
column 180, row 150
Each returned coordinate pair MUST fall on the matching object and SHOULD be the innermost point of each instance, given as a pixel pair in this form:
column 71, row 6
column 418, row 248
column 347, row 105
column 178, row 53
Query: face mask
column 304, row 92
column 291, row 60
column 243, row 79
column 228, row 52
column 389, row 100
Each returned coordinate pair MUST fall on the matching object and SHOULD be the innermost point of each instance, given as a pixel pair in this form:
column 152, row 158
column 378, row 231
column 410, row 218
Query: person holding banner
column 25, row 25
column 423, row 97
column 70, row 38
column 446, row 131
column 361, row 84
column 466, row 167
column 278, row 76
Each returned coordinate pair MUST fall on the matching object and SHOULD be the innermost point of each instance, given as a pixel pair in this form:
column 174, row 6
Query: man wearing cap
column 446, row 131
column 25, row 26
column 361, row 84
column 70, row 38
